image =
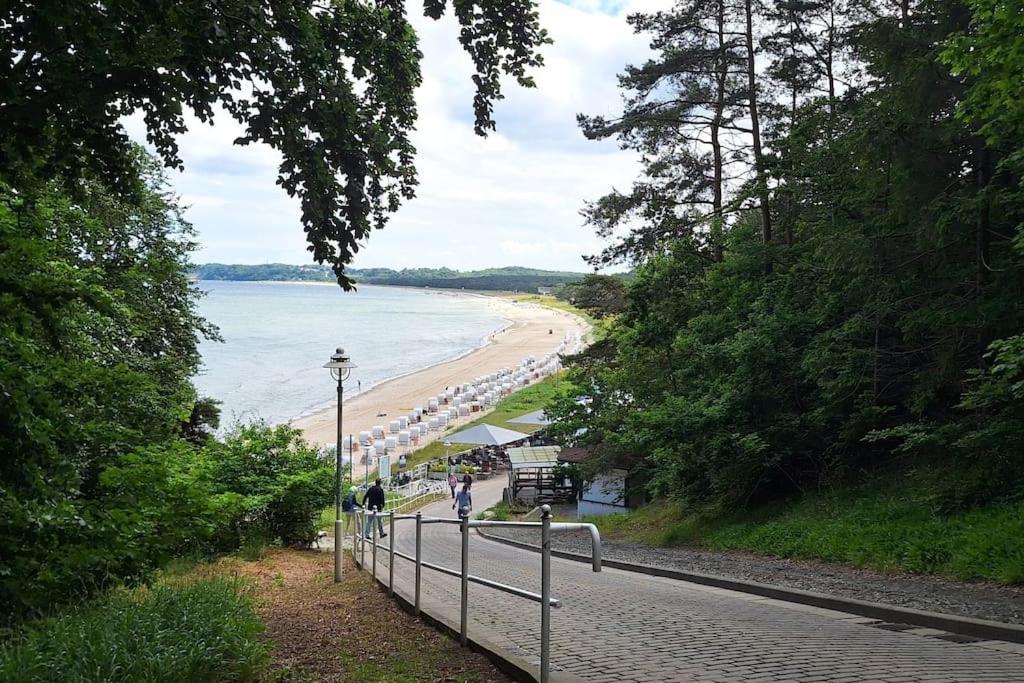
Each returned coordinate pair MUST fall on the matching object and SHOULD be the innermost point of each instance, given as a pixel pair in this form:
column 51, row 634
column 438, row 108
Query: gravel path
column 931, row 593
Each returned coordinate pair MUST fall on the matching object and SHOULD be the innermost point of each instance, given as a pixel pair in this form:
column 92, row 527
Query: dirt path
column 320, row 631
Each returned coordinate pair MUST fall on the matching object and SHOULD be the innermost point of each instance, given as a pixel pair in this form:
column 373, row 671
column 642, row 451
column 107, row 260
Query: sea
column 278, row 335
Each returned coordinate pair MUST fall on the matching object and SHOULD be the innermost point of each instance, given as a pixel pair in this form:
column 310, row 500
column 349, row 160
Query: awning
column 533, row 457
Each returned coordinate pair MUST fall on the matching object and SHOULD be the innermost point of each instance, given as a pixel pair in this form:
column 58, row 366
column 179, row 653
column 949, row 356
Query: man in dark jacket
column 374, row 500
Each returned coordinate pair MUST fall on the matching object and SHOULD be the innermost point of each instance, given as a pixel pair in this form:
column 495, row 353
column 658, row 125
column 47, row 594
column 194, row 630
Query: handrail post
column 419, row 559
column 339, row 536
column 545, row 592
column 362, row 540
column 464, row 613
column 373, row 530
column 355, row 533
column 391, row 555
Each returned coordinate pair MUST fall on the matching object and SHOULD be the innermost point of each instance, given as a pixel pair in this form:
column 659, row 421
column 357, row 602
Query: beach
column 533, row 330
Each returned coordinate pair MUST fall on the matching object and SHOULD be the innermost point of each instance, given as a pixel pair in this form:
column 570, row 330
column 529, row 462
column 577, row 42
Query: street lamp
column 340, row 367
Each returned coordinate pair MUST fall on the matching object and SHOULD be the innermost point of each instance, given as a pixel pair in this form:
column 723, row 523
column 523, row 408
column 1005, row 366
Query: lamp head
column 340, row 364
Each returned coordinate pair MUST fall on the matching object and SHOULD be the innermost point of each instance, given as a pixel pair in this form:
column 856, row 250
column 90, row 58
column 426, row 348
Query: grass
column 548, row 301
column 892, row 526
column 351, row 631
column 180, row 630
column 531, row 397
column 504, row 512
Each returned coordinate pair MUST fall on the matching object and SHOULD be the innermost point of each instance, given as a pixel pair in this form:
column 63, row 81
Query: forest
column 827, row 235
column 507, row 279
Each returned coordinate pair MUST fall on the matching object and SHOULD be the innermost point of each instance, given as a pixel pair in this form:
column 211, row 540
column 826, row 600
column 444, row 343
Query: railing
column 427, row 491
column 465, row 524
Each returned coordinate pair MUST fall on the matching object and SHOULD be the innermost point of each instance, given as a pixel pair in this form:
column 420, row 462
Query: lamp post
column 340, row 367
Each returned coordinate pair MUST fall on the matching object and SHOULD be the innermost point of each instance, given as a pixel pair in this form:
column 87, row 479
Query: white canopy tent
column 537, row 417
column 486, row 435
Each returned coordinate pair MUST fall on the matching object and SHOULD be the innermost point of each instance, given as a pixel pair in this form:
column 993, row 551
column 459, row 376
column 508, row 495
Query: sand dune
column 534, row 331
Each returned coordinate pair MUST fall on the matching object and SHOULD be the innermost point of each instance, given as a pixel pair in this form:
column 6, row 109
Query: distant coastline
column 513, row 278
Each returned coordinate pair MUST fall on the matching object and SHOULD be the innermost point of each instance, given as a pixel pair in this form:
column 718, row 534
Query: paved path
column 622, row 626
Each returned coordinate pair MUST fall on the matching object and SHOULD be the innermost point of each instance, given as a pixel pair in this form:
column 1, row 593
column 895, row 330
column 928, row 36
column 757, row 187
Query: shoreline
column 333, row 403
column 532, row 330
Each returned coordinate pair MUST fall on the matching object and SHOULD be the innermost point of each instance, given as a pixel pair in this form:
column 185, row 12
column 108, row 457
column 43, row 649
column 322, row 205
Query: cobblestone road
column 622, row 626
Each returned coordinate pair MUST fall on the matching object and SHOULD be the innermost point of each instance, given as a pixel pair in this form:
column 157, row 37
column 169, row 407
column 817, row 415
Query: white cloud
column 512, row 198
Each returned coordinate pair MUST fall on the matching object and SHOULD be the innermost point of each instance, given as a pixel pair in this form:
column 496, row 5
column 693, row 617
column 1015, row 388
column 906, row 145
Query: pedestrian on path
column 349, row 505
column 467, row 481
column 374, row 500
column 463, row 501
column 453, row 483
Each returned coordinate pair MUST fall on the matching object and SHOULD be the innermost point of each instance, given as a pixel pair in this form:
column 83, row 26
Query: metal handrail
column 595, row 535
column 465, row 524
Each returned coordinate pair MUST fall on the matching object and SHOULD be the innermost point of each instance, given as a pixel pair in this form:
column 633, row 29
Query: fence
column 424, row 492
column 546, row 526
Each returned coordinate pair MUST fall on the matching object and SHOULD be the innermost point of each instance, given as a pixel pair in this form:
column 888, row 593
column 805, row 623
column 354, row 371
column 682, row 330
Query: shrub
column 282, row 484
column 201, row 631
column 145, row 507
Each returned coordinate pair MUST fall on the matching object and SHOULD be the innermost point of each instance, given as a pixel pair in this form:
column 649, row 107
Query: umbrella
column 486, row 435
column 537, row 417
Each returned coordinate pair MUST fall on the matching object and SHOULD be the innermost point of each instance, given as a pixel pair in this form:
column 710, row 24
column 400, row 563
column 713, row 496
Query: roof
column 577, row 455
column 581, row 454
column 537, row 417
column 533, row 456
column 486, row 435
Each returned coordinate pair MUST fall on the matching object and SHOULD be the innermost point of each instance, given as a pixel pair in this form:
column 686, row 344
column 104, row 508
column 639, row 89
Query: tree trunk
column 755, row 128
column 981, row 232
column 718, row 218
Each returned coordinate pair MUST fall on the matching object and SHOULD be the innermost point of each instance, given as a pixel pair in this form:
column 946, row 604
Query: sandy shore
column 527, row 335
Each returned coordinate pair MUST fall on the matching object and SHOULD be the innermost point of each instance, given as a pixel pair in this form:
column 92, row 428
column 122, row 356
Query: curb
column 968, row 626
column 515, row 667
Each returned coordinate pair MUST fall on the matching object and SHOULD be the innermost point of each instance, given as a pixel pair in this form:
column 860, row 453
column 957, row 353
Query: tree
column 98, row 336
column 683, row 111
column 600, row 295
column 329, row 85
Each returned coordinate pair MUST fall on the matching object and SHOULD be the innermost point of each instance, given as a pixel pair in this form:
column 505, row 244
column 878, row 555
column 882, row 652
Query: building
column 605, row 493
column 544, row 290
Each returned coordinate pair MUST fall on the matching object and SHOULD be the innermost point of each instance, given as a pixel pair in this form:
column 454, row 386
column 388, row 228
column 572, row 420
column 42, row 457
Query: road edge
column 968, row 626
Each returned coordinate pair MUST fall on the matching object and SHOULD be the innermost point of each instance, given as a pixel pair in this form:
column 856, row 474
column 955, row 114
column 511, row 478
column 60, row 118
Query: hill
column 512, row 278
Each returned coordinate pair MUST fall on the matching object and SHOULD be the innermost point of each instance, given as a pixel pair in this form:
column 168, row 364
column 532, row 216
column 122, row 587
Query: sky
column 512, row 198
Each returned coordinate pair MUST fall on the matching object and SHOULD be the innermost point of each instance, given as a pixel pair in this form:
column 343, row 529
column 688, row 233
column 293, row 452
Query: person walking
column 374, row 500
column 463, row 501
column 349, row 505
column 467, row 481
column 453, row 483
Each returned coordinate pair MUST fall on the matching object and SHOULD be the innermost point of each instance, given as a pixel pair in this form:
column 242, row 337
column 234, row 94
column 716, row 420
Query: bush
column 145, row 507
column 201, row 631
column 156, row 503
column 282, row 484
